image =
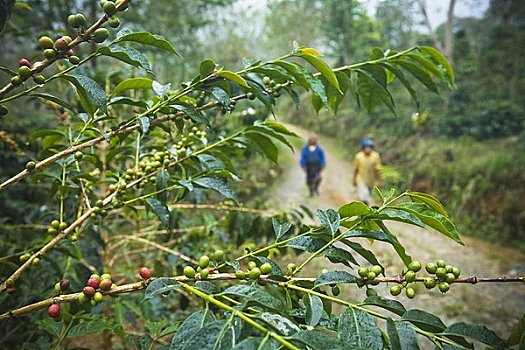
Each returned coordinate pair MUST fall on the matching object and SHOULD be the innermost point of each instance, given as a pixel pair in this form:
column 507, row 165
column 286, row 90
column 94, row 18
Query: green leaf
column 385, row 303
column 330, row 219
column 144, row 124
column 318, row 340
column 332, row 277
column 217, row 184
column 191, row 112
column 280, row 323
column 236, row 78
column 265, row 129
column 518, row 332
column 424, row 320
column 293, row 69
column 357, row 328
column 207, row 67
column 45, row 132
column 429, row 200
column 419, row 74
column 339, row 255
column 315, row 84
column 6, row 8
column 354, row 209
column 89, row 89
column 96, row 326
column 159, row 209
column 265, row 145
column 54, row 99
column 160, row 90
column 256, row 343
column 431, row 218
column 280, row 229
column 384, row 237
column 160, row 286
column 254, row 294
column 147, row 39
column 50, row 326
column 133, row 84
column 190, row 327
column 359, row 249
column 476, row 332
column 323, row 68
column 439, row 58
column 310, row 244
column 161, row 182
column 127, row 55
column 123, row 100
column 222, row 96
column 371, row 92
column 393, row 335
column 402, row 78
column 399, row 215
column 7, row 70
column 208, row 287
column 314, row 309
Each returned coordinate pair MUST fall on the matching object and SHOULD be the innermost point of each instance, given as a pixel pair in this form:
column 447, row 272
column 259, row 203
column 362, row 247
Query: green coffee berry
column 440, row 263
column 240, row 275
column 24, row 257
column 444, row 287
column 36, row 261
column 55, row 224
column 99, row 203
column 114, row 22
column 363, row 272
column 456, row 272
column 395, row 290
column 74, row 59
column 189, row 272
column 204, row 273
column 39, row 79
column 72, row 21
column 109, row 8
column 266, row 268
column 371, row 275
column 45, row 42
column 254, row 273
column 252, row 265
column 105, row 276
column 450, row 278
column 429, row 282
column 371, row 292
column 50, row 54
column 81, row 19
column 376, row 269
column 410, row 276
column 98, row 297
column 16, row 80
column 218, row 255
column 449, row 268
column 441, row 273
column 410, row 292
column 62, row 226
column 414, row 266
column 204, row 261
column 57, row 288
column 100, row 35
column 24, row 72
column 52, row 231
column 431, row 268
column 336, row 291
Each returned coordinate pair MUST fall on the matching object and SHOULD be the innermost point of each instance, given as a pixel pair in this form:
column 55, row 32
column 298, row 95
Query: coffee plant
column 140, row 239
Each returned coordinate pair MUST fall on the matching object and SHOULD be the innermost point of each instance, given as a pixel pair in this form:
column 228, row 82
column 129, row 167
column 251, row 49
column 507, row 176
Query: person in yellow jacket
column 367, row 170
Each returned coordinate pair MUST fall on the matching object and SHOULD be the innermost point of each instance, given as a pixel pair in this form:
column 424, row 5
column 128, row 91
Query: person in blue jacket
column 313, row 162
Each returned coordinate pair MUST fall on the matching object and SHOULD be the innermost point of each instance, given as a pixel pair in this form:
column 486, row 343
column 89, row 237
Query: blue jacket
column 316, row 156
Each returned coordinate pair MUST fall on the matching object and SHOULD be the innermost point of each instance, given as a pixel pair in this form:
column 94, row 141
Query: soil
column 499, row 306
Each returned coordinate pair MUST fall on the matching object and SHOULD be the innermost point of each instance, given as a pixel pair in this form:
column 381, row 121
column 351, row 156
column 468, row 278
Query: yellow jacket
column 367, row 168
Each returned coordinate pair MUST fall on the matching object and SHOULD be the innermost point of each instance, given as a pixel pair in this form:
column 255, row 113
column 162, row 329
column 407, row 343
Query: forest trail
column 498, row 306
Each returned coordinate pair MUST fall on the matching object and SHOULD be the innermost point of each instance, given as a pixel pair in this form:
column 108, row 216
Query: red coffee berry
column 24, row 62
column 54, row 310
column 145, row 273
column 93, row 282
column 88, row 291
column 105, row 284
column 64, row 285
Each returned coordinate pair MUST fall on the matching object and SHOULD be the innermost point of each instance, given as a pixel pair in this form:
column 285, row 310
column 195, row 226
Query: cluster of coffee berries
column 444, row 275
column 409, row 276
column 76, row 21
column 254, row 271
column 26, row 256
column 62, row 286
column 204, row 264
column 98, row 209
column 95, row 285
column 57, row 49
column 274, row 88
column 370, row 274
column 189, row 140
column 56, row 226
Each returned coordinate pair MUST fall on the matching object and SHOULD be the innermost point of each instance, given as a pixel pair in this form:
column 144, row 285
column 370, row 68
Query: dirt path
column 499, row 306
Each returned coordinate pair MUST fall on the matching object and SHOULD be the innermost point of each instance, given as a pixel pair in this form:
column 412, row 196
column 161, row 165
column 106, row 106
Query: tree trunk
column 423, row 7
column 449, row 33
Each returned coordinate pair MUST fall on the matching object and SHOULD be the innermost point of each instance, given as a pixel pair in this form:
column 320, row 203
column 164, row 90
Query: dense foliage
column 134, row 230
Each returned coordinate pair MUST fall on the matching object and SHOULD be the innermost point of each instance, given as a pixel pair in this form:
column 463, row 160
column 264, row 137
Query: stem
column 238, row 313
column 320, row 250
